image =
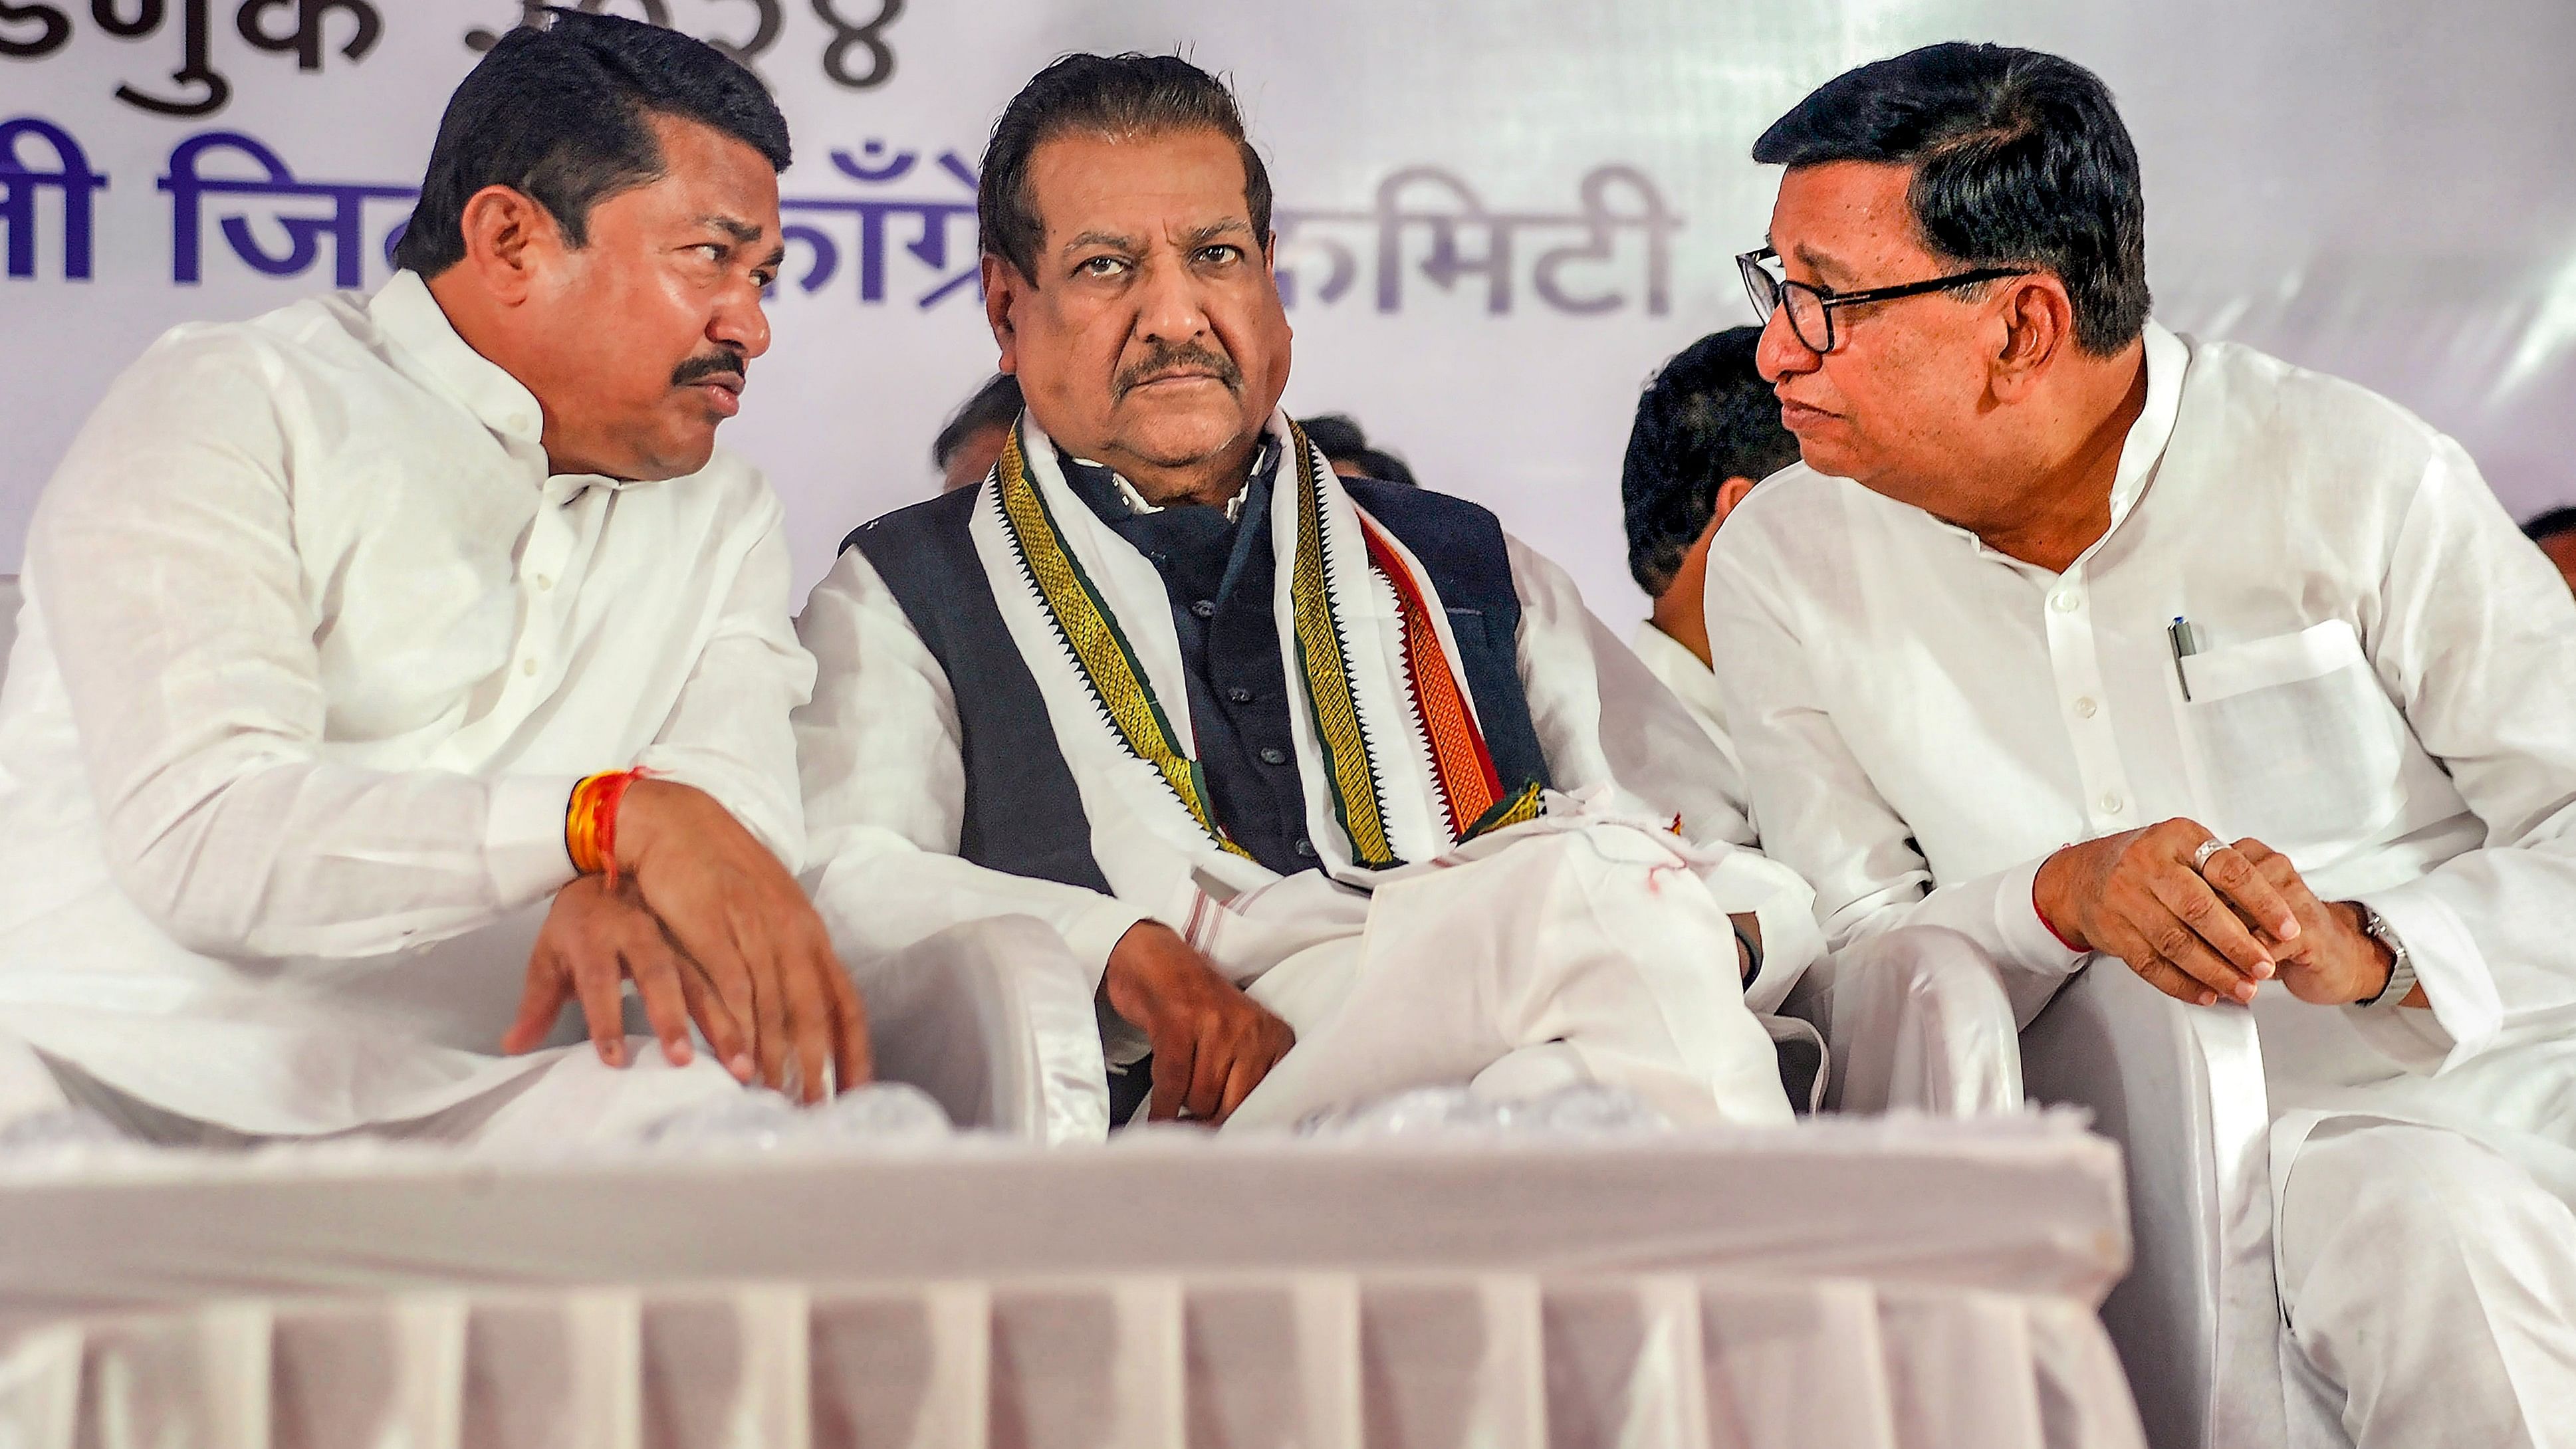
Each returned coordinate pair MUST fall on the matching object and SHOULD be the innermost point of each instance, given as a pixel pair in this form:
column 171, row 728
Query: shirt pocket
column 2299, row 745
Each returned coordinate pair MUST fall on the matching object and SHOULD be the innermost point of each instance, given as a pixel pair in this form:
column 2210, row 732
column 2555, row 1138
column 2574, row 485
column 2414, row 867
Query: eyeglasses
column 1811, row 309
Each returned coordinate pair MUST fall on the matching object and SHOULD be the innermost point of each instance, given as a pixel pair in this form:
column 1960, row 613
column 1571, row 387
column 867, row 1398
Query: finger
column 1246, row 1074
column 1213, row 1062
column 655, row 970
column 539, row 1004
column 810, row 1018
column 2176, row 944
column 2219, row 929
column 2242, row 884
column 2163, row 976
column 730, row 982
column 1172, row 1069
column 707, row 1009
column 769, row 1008
column 596, row 979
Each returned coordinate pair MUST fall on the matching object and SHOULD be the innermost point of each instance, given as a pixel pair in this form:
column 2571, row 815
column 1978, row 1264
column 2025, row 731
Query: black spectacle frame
column 1770, row 293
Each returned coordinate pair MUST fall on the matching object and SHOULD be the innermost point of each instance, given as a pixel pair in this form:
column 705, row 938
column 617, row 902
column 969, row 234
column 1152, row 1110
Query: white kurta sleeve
column 729, row 734
column 2476, row 641
column 1822, row 815
column 885, row 790
column 1604, row 719
column 163, row 565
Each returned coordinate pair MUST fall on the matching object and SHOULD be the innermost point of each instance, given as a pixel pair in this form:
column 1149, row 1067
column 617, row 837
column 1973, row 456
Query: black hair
column 1339, row 438
column 2020, row 159
column 1708, row 416
column 996, row 404
column 2550, row 524
column 559, row 114
column 1102, row 95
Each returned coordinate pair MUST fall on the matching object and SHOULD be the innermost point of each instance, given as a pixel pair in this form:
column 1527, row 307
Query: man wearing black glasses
column 2261, row 644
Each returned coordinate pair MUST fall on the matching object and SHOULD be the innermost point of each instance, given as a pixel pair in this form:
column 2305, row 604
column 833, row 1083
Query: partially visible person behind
column 2555, row 532
column 971, row 439
column 2260, row 644
column 398, row 670
column 1345, row 445
column 1707, row 430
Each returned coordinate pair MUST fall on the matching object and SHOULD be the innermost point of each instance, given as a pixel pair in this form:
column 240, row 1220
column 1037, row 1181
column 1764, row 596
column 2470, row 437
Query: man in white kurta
column 325, row 615
column 2152, row 596
column 1267, row 749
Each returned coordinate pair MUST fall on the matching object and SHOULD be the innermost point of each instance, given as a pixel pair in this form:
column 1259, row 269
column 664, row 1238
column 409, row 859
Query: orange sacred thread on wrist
column 611, row 794
column 581, row 824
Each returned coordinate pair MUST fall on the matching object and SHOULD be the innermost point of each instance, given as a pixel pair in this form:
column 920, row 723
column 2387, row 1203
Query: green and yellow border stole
column 1100, row 651
column 1471, row 791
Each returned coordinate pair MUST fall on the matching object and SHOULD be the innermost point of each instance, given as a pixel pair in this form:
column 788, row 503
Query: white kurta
column 312, row 653
column 885, row 794
column 1691, row 682
column 2386, row 691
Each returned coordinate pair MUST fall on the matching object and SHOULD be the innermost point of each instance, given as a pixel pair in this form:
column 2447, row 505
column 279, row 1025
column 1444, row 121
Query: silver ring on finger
column 2208, row 848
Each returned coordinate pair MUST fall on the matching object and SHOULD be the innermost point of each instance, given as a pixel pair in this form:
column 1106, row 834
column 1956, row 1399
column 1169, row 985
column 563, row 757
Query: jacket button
column 1273, row 755
column 1239, row 695
column 1305, row 848
column 1205, row 609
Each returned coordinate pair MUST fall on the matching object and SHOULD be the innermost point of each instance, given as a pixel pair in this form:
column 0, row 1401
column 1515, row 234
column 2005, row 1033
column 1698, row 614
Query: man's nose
column 740, row 322
column 1171, row 308
column 1780, row 354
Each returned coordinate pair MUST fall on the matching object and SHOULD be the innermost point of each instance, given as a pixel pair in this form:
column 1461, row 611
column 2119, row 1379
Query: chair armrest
column 994, row 1020
column 2196, row 1320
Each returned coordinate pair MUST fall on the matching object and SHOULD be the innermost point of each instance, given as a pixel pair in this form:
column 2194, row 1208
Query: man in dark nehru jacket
column 1331, row 787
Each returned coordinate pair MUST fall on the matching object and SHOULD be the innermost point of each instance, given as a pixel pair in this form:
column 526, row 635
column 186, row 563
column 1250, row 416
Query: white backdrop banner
column 1495, row 219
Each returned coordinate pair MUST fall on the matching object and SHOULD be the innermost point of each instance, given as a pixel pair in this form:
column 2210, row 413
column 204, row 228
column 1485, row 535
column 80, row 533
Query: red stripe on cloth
column 1469, row 783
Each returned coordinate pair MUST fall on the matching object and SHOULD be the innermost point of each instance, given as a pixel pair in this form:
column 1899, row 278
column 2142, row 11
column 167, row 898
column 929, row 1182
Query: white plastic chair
column 2196, row 1321
column 995, row 1021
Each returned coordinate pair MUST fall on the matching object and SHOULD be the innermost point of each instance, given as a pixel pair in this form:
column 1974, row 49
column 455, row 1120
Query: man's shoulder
column 942, row 517
column 1792, row 513
column 2229, row 383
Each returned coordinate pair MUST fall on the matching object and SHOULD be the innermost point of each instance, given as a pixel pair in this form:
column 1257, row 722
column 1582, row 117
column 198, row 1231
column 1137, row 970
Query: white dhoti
column 1584, row 954
column 2429, row 1283
column 561, row 1098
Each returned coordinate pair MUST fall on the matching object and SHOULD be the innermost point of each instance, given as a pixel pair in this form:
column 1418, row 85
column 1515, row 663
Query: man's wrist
column 2042, row 888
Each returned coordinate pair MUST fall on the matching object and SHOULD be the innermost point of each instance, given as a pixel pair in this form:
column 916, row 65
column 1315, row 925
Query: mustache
column 1187, row 357
column 712, row 364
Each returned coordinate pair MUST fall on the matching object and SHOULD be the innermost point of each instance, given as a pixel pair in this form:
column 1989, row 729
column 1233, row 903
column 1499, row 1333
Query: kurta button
column 2068, row 601
column 1239, row 695
column 545, row 581
column 1273, row 755
column 1305, row 848
column 2084, row 707
column 527, row 666
column 2112, row 804
column 1204, row 609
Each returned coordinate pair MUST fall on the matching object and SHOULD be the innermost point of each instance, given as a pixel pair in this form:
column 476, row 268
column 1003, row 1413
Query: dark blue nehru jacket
column 1219, row 573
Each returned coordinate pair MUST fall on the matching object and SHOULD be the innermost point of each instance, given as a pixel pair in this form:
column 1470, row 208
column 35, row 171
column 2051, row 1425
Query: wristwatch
column 2401, row 967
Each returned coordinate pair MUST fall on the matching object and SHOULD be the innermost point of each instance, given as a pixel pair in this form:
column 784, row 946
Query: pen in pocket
column 2184, row 646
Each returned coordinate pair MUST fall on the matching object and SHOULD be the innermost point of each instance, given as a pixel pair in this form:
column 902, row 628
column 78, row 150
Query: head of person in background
column 1339, row 438
column 972, row 437
column 2555, row 532
column 1707, row 429
column 599, row 217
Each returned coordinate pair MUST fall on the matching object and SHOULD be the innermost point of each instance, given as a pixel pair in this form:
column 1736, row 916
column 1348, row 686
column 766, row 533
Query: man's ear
column 2038, row 322
column 1001, row 284
column 1729, row 493
column 509, row 240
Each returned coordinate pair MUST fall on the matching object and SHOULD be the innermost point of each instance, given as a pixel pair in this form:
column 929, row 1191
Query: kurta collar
column 1083, row 470
column 408, row 315
column 2167, row 356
